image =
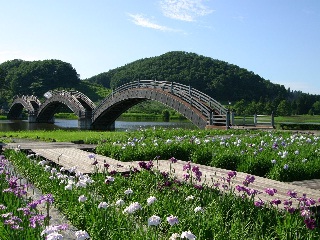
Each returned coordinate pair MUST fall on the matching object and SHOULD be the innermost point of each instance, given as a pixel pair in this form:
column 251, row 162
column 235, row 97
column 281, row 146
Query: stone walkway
column 313, row 183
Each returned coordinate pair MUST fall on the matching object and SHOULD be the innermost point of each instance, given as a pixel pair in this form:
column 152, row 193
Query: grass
column 298, row 119
column 203, row 211
column 149, row 117
column 65, row 116
column 61, row 135
column 96, row 137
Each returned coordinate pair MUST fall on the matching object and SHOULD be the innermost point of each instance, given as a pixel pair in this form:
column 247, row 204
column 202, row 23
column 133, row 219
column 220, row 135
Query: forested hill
column 221, row 80
column 18, row 77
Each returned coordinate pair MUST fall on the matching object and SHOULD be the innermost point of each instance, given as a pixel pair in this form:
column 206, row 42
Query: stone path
column 26, row 144
column 70, row 155
column 313, row 183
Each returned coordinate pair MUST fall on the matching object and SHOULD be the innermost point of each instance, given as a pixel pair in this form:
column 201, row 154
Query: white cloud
column 184, row 10
column 240, row 18
column 139, row 20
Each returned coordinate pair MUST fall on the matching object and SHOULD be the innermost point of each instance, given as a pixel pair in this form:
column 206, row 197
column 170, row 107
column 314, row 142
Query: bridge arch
column 196, row 106
column 77, row 102
column 30, row 103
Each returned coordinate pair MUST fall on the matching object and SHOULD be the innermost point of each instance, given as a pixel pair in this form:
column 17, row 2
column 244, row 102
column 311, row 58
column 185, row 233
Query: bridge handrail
column 185, row 92
column 80, row 95
column 71, row 97
column 191, row 93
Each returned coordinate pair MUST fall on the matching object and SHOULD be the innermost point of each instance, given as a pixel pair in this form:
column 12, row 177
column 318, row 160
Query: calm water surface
column 8, row 125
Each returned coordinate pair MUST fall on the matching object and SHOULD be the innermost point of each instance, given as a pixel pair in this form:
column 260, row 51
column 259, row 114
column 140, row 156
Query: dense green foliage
column 18, row 77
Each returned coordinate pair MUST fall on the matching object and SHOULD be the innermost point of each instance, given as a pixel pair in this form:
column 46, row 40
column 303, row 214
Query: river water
column 8, row 125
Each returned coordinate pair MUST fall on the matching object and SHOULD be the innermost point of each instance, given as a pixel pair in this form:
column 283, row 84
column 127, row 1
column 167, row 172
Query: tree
column 284, row 108
column 239, row 107
column 37, row 77
column 316, row 108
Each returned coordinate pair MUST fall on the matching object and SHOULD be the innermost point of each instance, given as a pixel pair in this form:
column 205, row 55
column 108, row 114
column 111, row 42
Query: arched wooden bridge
column 196, row 106
column 30, row 103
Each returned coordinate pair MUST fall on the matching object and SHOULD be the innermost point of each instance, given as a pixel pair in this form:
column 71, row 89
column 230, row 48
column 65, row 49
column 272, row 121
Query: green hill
column 221, row 80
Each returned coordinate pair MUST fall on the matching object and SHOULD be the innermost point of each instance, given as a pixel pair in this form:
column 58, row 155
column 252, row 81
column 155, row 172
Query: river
column 8, row 125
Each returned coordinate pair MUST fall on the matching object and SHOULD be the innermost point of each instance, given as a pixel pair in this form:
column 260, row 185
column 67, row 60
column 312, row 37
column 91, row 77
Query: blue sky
column 276, row 39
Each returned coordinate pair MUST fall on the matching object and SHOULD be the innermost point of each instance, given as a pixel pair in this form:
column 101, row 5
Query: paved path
column 313, row 183
column 26, row 144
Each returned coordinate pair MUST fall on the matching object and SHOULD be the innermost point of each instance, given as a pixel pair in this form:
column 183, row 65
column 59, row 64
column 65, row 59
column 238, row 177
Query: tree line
column 304, row 104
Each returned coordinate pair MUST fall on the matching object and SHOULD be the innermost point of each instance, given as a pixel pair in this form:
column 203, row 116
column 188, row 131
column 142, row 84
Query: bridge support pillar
column 32, row 118
column 84, row 123
column 228, row 120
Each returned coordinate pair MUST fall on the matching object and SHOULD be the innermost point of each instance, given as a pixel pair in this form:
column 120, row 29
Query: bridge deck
column 69, row 157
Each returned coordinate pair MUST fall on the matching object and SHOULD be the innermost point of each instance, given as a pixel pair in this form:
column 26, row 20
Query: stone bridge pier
column 85, row 120
column 32, row 118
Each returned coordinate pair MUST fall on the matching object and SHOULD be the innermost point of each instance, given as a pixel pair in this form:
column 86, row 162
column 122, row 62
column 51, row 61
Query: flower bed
column 144, row 204
column 276, row 155
column 22, row 216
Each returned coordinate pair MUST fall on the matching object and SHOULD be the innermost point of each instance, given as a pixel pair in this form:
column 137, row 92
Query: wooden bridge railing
column 84, row 97
column 72, row 98
column 253, row 120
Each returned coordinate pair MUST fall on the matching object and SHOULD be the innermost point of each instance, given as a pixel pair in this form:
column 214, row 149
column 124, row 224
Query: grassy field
column 66, row 116
column 93, row 137
column 298, row 119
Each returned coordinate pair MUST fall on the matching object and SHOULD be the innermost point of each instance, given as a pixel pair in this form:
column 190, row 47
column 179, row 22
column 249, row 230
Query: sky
column 277, row 39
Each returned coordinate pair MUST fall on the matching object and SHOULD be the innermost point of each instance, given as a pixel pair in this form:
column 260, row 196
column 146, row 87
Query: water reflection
column 8, row 125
